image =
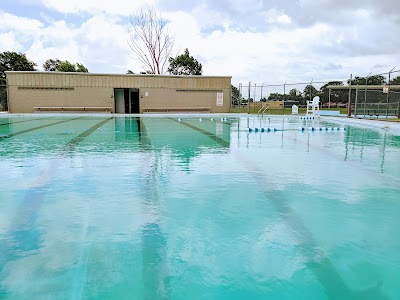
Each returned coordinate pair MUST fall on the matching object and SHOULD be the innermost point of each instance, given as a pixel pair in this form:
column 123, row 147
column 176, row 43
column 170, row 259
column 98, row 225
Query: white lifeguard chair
column 313, row 107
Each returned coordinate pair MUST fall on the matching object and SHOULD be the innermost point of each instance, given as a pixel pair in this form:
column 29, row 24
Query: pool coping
column 365, row 122
column 355, row 121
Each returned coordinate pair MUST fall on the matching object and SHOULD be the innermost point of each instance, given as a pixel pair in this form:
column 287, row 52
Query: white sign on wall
column 220, row 99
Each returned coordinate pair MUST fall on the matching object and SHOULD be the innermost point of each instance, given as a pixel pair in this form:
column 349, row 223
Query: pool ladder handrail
column 263, row 109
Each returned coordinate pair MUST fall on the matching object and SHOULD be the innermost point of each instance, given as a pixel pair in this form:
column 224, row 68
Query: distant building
column 290, row 103
column 75, row 92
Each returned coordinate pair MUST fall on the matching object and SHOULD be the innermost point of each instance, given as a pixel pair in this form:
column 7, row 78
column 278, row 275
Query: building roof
column 108, row 74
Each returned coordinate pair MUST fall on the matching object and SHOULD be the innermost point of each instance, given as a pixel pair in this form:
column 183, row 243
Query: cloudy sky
column 259, row 41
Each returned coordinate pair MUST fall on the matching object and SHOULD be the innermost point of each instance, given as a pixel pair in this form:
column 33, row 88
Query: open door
column 135, row 106
column 127, row 101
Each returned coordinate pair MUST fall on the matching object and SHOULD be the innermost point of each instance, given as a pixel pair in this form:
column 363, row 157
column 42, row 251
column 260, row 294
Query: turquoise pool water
column 103, row 207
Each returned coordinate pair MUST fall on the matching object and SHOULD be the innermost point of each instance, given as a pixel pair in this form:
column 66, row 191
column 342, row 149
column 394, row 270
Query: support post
column 349, row 102
column 240, row 98
column 387, row 96
column 355, row 102
column 329, row 99
column 365, row 95
column 248, row 99
column 283, row 100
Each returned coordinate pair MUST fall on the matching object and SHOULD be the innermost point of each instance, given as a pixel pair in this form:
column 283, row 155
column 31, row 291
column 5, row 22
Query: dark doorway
column 135, row 109
column 126, row 99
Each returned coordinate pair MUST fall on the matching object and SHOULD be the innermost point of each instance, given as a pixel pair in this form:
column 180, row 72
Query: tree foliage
column 56, row 65
column 310, row 92
column 184, row 64
column 150, row 40
column 51, row 65
column 13, row 61
column 275, row 97
column 395, row 80
column 81, row 68
column 371, row 80
column 236, row 95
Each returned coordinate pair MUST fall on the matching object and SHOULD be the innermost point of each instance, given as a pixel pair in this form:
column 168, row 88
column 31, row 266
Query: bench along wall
column 34, row 91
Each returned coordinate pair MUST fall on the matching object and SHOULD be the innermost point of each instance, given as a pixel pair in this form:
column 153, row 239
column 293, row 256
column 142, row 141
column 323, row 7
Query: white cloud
column 10, row 21
column 115, row 7
column 273, row 42
column 8, row 42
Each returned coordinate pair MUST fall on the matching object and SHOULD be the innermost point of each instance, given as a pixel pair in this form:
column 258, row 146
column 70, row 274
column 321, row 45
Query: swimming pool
column 197, row 207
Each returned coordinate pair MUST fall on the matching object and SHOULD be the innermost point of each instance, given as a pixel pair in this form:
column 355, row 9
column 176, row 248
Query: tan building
column 56, row 91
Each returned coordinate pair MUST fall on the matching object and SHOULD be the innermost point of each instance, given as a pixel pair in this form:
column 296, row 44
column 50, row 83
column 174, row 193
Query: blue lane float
column 302, row 129
column 255, row 129
column 322, row 129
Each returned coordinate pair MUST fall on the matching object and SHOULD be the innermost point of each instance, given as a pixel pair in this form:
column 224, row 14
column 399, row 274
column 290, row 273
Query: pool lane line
column 10, row 123
column 31, row 204
column 36, row 128
column 74, row 142
column 212, row 136
column 321, row 266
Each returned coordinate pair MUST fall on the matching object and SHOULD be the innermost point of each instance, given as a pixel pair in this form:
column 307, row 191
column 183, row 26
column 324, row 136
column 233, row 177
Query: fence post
column 283, row 99
column 355, row 101
column 365, row 96
column 349, row 103
column 329, row 99
column 240, row 96
column 248, row 100
column 387, row 97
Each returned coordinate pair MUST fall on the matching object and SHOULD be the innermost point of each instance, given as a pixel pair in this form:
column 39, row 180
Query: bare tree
column 150, row 40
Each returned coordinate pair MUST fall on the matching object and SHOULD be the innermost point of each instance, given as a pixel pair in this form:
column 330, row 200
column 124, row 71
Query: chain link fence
column 3, row 98
column 370, row 96
column 255, row 97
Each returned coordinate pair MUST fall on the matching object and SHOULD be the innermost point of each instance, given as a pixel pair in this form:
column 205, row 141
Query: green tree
column 56, row 65
column 129, row 72
column 395, row 80
column 372, row 80
column 184, row 64
column 310, row 92
column 275, row 97
column 81, row 68
column 66, row 66
column 293, row 93
column 336, row 95
column 236, row 95
column 51, row 65
column 13, row 61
